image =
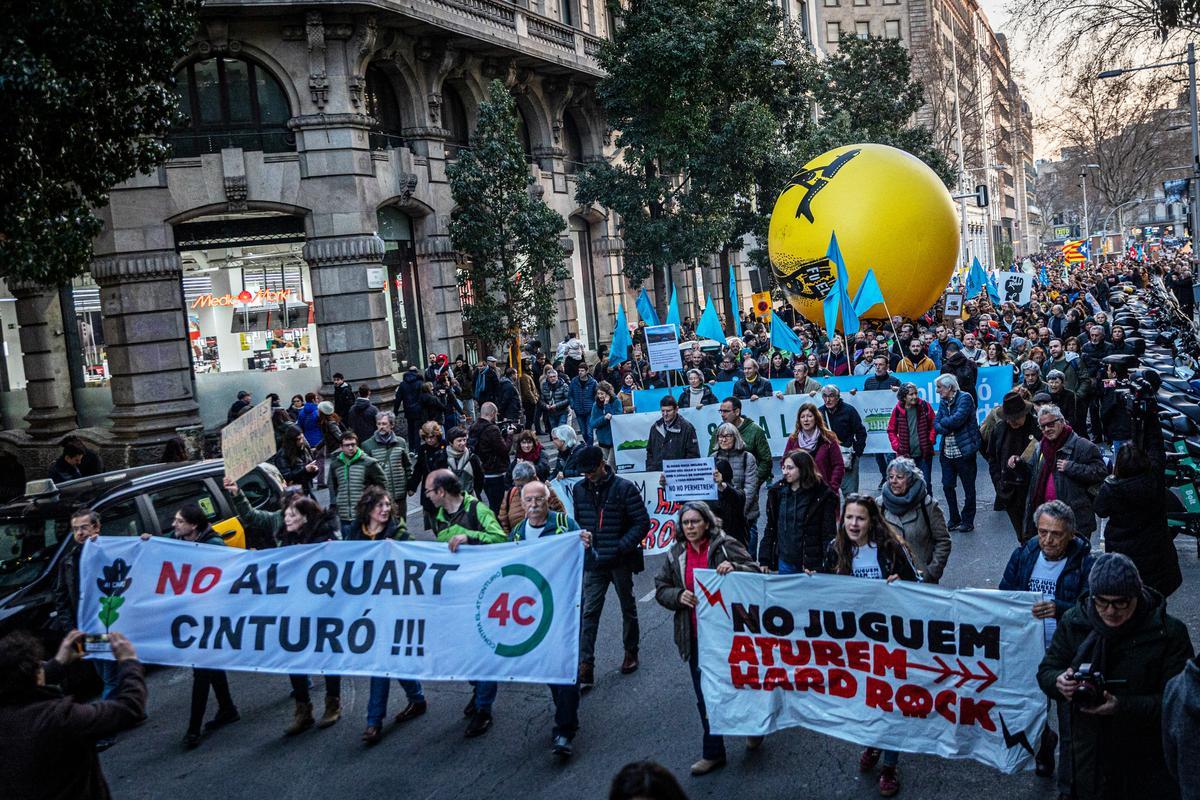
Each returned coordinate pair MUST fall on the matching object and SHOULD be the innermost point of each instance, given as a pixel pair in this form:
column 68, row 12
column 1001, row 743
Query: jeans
column 881, row 461
column 713, row 747
column 566, row 709
column 850, row 479
column 595, row 588
column 788, row 569
column 890, row 758
column 493, row 490
column 108, row 675
column 585, row 429
column 752, row 539
column 556, row 418
column 485, row 695
column 333, row 687
column 380, row 688
column 954, row 470
column 202, row 679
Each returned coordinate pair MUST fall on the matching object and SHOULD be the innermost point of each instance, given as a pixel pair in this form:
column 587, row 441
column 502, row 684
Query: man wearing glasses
column 1063, row 466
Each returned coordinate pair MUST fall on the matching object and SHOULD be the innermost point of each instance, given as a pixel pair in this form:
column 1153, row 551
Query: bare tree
column 1118, row 28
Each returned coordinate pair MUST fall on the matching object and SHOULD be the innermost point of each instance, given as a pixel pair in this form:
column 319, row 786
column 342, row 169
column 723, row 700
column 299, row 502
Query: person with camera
column 1110, row 659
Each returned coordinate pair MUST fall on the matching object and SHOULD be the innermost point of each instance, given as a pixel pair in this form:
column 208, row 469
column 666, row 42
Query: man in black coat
column 343, row 396
column 671, row 437
column 612, row 509
column 240, row 406
column 408, row 400
column 485, row 440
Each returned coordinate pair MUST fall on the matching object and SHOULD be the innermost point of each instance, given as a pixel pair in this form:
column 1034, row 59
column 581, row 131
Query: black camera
column 1090, row 690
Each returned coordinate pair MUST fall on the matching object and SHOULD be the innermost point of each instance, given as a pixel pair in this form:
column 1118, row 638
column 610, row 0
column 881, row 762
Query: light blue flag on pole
column 734, row 305
column 976, row 279
column 830, row 306
column 618, row 351
column 709, row 326
column 868, row 295
column 992, row 290
column 645, row 308
column 673, row 311
column 784, row 338
column 1043, row 278
column 849, row 317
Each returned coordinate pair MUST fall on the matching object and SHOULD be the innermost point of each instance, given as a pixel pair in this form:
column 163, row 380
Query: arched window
column 382, row 105
column 572, row 143
column 454, row 119
column 229, row 102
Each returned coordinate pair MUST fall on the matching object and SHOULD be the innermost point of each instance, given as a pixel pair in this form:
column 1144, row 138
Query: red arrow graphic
column 962, row 672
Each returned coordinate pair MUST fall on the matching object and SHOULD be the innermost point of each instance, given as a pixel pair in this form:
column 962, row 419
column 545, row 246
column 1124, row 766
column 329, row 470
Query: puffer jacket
column 613, row 510
column 1137, row 527
column 556, row 398
column 408, row 395
column 670, row 442
column 670, row 584
column 1072, row 581
column 803, row 548
column 349, row 476
column 745, row 477
column 309, row 422
column 745, row 389
column 1086, row 469
column 756, row 444
column 582, row 395
column 395, row 462
column 898, row 429
column 957, row 416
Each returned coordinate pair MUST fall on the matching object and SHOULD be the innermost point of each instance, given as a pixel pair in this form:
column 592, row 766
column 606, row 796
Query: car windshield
column 27, row 546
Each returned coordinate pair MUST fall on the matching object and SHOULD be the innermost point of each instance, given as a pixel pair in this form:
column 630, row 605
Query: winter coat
column 309, row 422
column 396, row 463
column 582, row 395
column 923, row 364
column 707, row 398
column 508, row 401
column 845, row 421
column 744, row 389
column 873, row 382
column 331, row 436
column 924, row 529
column 343, row 398
column 614, row 512
column 828, row 457
column 957, row 416
column 1072, row 408
column 348, row 476
column 803, row 548
column 1120, row 756
column 66, row 591
column 469, row 471
column 1181, row 729
column 432, row 409
column 898, row 429
column 393, row 530
column 1137, row 527
column 512, row 511
column 555, row 398
column 1072, row 581
column 1069, row 369
column 49, row 739
column 542, row 462
column 893, row 559
column 1114, row 416
column 567, row 461
column 361, row 418
column 528, row 388
column 756, row 444
column 670, row 442
column 485, row 440
column 408, row 395
column 473, row 519
column 669, row 583
column 1074, row 486
column 730, row 508
column 602, row 428
column 426, row 460
column 745, row 477
column 965, row 370
column 998, row 440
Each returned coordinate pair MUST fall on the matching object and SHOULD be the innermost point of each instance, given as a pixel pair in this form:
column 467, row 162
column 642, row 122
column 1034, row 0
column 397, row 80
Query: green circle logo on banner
column 511, row 611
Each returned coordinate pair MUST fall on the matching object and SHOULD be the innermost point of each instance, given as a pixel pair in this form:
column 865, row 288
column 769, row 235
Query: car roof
column 86, row 491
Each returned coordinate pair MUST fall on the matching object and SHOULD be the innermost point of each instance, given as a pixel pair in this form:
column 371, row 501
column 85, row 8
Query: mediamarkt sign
column 243, row 297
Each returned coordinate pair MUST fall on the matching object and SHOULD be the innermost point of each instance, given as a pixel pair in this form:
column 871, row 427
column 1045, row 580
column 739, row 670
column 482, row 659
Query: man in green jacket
column 353, row 470
column 462, row 519
column 756, row 443
column 391, row 451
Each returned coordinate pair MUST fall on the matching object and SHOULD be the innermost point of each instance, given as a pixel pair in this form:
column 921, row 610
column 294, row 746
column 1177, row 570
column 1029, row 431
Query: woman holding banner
column 629, row 385
column 867, row 546
column 703, row 546
column 697, row 393
column 801, row 517
column 812, row 435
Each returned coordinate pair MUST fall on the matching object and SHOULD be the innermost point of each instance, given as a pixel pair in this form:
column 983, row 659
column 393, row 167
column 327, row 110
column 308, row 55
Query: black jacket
column 1137, row 527
column 66, row 591
column 730, row 508
column 893, row 560
column 845, row 421
column 508, row 401
column 873, row 382
column 408, row 395
column 803, row 548
column 670, row 443
column 343, row 398
column 964, row 370
column 485, row 440
column 707, row 398
column 361, row 418
column 744, row 389
column 614, row 512
column 61, row 471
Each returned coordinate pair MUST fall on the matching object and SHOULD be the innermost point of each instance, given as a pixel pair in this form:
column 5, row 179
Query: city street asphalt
column 650, row 714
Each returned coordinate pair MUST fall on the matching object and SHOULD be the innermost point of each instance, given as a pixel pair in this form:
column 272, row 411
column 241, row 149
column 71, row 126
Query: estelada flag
column 1073, row 253
column 762, row 305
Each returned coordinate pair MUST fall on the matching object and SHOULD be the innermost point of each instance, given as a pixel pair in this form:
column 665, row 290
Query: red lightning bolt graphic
column 713, row 598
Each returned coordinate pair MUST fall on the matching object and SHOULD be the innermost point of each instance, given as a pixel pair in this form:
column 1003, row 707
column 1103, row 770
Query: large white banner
column 663, row 512
column 898, row 666
column 408, row 610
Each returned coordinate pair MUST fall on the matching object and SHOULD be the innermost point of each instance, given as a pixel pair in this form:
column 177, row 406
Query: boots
column 333, row 711
column 302, row 720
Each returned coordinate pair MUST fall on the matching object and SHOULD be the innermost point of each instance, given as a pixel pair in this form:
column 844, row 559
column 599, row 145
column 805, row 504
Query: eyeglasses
column 1117, row 604
column 1048, row 425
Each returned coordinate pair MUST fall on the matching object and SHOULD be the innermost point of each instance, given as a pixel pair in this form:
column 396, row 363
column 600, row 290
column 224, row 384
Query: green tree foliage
column 510, row 238
column 85, row 93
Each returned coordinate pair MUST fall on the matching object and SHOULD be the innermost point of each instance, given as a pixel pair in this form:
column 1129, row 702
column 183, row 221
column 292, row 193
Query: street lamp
column 1190, row 61
column 1087, row 228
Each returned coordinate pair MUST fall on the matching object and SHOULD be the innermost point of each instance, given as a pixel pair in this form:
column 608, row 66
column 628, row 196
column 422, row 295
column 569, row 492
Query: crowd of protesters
column 484, row 442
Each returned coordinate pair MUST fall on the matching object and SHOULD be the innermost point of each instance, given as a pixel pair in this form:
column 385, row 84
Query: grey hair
column 904, row 390
column 1056, row 509
column 692, row 372
column 567, row 434
column 905, row 466
column 701, row 508
column 1055, row 373
column 524, row 471
column 1030, row 366
column 389, row 416
column 728, row 427
column 1051, row 410
column 830, row 390
column 946, row 381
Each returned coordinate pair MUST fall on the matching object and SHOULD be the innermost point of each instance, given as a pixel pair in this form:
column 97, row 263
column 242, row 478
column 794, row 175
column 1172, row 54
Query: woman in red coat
column 813, row 436
column 910, row 430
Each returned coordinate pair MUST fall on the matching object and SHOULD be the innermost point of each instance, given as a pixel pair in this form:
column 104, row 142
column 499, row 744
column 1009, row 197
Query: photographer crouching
column 1110, row 658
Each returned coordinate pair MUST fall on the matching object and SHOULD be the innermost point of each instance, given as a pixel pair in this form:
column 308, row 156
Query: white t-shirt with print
column 866, row 563
column 1044, row 580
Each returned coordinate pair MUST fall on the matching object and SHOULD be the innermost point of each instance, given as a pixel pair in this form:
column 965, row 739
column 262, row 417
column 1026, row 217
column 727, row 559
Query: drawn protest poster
column 248, row 441
column 1015, row 287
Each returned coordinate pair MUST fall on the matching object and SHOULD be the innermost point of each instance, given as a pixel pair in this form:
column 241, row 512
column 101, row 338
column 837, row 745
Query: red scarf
column 533, row 455
column 1050, row 448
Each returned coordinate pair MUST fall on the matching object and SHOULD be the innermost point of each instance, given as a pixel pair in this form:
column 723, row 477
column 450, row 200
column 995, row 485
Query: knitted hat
column 325, row 407
column 1114, row 575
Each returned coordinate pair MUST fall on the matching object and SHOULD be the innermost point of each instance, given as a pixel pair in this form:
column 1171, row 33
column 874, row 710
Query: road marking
column 648, row 597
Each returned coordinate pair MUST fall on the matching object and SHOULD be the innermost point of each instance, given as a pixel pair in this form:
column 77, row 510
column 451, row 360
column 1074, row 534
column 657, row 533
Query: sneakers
column 707, row 765
column 415, row 709
column 587, row 676
column 302, row 719
column 479, row 724
column 562, row 747
column 333, row 711
column 630, row 664
column 224, row 717
column 889, row 782
column 868, row 759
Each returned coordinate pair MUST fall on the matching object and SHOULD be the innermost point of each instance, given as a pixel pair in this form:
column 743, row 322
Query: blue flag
column 784, row 338
column 868, row 295
column 1043, row 278
column 734, row 305
column 618, row 351
column 709, row 326
column 992, row 290
column 830, row 306
column 673, row 311
column 849, row 317
column 976, row 279
column 645, row 308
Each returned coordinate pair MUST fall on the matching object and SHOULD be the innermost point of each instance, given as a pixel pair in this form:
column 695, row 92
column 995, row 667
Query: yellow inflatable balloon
column 891, row 213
